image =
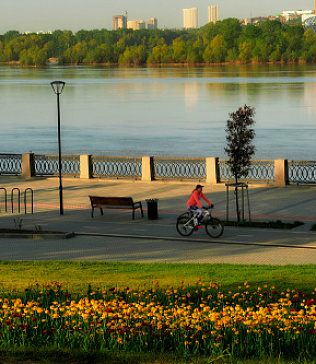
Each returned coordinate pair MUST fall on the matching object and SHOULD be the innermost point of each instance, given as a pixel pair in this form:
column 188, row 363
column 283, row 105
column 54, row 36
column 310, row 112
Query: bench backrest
column 112, row 201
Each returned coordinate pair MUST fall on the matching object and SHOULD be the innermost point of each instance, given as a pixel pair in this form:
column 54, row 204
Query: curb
column 38, row 236
column 224, row 242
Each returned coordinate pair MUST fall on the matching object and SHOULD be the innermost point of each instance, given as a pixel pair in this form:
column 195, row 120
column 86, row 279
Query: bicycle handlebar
column 208, row 207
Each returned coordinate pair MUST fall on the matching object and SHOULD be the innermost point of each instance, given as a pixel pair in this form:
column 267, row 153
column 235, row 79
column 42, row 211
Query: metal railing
column 260, row 171
column 10, row 164
column 118, row 167
column 302, row 172
column 180, row 168
column 47, row 165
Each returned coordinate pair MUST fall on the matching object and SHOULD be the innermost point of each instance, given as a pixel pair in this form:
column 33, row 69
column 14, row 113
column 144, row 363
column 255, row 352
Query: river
column 169, row 111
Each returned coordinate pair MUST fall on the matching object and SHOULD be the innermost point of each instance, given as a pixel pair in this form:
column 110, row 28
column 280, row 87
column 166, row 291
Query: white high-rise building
column 190, row 18
column 213, row 13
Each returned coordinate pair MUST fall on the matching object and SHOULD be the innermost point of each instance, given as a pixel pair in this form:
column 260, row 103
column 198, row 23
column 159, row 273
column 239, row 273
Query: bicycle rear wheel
column 214, row 228
column 184, row 227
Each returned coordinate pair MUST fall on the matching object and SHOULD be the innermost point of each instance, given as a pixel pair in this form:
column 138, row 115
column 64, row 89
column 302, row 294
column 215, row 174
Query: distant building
column 152, row 23
column 310, row 23
column 190, row 18
column 136, row 24
column 27, row 32
column 213, row 13
column 307, row 16
column 257, row 20
column 119, row 21
column 294, row 14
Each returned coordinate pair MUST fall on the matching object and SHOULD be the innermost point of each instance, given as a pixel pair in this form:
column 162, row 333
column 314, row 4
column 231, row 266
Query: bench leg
column 141, row 210
column 133, row 214
column 92, row 211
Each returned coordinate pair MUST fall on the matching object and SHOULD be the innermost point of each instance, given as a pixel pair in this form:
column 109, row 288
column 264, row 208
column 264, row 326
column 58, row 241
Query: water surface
column 170, row 111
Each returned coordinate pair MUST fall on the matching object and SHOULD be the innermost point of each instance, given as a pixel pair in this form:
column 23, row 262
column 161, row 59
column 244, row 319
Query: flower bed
column 187, row 320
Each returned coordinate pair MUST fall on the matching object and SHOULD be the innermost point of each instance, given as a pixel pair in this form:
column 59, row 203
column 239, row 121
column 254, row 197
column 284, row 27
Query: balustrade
column 209, row 170
column 180, row 168
column 47, row 165
column 118, row 167
column 10, row 164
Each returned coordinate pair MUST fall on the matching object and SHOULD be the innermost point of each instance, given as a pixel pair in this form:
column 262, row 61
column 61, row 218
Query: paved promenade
column 116, row 237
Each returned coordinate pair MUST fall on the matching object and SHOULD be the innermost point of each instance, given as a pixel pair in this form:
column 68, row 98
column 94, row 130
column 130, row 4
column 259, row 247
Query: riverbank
column 55, row 61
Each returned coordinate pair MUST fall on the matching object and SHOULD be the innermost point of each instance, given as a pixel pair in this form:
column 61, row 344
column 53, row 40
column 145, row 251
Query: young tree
column 239, row 148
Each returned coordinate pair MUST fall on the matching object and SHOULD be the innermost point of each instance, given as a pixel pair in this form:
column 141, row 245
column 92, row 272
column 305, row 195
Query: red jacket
column 195, row 199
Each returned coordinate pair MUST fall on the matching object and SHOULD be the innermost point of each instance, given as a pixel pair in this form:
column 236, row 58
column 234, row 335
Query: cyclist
column 195, row 205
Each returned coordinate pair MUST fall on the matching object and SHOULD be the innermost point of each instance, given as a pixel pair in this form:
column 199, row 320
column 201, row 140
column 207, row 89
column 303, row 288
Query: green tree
column 261, row 51
column 11, row 35
column 239, row 148
column 245, row 51
column 295, row 42
column 276, row 55
column 158, row 53
column 230, row 29
column 195, row 51
column 309, row 45
column 210, row 31
column 179, row 50
column 215, row 51
column 139, row 54
column 40, row 57
column 26, row 58
column 127, row 56
column 252, row 32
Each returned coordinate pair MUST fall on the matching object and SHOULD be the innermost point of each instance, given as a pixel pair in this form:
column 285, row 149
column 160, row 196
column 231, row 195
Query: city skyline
column 36, row 15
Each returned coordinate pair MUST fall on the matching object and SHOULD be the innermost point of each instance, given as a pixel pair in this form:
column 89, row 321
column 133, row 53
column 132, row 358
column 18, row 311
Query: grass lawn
column 17, row 275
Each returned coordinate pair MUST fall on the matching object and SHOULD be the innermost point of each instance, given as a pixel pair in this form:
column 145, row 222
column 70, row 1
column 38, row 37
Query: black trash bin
column 152, row 209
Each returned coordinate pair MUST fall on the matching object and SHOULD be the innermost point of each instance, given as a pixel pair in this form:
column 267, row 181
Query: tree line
column 224, row 41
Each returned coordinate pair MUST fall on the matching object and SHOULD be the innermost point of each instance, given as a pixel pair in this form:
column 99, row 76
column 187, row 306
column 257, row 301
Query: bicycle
column 187, row 223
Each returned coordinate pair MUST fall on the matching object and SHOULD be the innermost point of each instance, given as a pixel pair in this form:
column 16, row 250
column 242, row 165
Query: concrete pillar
column 212, row 170
column 85, row 166
column 28, row 165
column 148, row 169
column 281, row 172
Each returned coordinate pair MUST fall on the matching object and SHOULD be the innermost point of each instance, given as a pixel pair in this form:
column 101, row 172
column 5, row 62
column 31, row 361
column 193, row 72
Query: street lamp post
column 58, row 87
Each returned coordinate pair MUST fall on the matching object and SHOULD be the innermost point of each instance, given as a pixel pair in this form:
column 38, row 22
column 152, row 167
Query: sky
column 45, row 15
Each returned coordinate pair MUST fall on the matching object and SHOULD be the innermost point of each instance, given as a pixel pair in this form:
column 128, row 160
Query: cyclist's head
column 199, row 188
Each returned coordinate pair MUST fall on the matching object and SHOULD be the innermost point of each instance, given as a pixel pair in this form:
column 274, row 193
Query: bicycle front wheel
column 214, row 228
column 184, row 226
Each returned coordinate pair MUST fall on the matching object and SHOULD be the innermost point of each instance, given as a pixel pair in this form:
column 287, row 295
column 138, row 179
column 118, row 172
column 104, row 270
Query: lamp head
column 58, row 86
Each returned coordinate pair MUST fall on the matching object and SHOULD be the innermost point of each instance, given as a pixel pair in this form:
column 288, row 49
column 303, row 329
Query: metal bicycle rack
column 16, row 191
column 12, row 195
column 5, row 199
column 25, row 194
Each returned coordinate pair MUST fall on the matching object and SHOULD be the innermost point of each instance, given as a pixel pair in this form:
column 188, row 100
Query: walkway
column 115, row 237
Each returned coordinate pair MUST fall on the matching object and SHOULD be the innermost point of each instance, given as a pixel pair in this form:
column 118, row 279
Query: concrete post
column 28, row 165
column 212, row 170
column 281, row 172
column 148, row 169
column 85, row 166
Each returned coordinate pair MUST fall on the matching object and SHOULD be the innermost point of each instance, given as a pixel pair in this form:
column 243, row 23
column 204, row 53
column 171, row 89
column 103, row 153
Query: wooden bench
column 115, row 203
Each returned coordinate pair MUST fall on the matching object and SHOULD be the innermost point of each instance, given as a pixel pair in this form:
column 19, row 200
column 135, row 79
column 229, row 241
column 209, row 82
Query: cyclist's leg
column 197, row 211
column 200, row 215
